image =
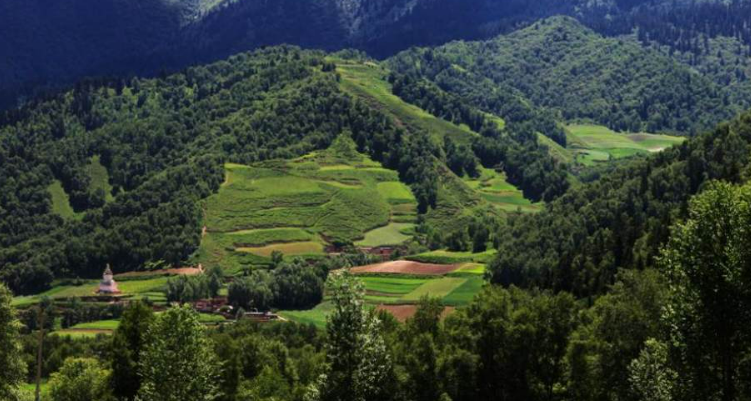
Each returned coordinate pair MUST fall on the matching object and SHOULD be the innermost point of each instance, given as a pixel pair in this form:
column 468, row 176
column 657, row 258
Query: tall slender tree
column 708, row 263
column 359, row 366
column 178, row 362
column 127, row 344
column 12, row 368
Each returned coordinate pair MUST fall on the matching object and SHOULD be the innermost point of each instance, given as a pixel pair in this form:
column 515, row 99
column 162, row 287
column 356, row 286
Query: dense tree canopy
column 708, row 265
column 621, row 220
column 627, row 87
column 177, row 361
column 162, row 143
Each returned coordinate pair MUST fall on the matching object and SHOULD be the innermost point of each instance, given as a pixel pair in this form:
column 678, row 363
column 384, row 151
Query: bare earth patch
column 641, row 137
column 406, row 267
column 404, row 312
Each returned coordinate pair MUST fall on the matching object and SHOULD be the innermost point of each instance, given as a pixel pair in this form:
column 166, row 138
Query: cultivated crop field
column 298, row 207
column 438, row 288
column 406, row 267
column 398, row 286
column 316, row 316
column 449, row 257
column 593, row 143
column 392, row 234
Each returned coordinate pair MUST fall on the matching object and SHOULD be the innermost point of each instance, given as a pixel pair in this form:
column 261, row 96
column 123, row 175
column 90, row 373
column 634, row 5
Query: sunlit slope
column 302, row 206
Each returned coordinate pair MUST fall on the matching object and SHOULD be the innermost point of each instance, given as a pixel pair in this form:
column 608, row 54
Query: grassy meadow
column 99, row 179
column 592, row 144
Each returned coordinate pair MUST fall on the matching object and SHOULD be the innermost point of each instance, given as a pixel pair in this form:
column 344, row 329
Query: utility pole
column 39, row 351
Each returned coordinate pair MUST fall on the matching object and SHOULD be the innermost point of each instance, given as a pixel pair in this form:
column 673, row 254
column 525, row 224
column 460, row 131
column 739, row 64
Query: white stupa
column 108, row 284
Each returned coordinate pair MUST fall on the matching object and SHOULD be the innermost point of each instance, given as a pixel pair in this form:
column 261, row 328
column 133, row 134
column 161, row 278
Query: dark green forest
column 163, row 142
column 627, row 87
column 50, row 45
column 627, row 279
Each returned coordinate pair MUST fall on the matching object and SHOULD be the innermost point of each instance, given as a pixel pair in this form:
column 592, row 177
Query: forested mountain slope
column 561, row 65
column 48, row 43
column 163, row 143
column 114, row 171
column 51, row 44
column 622, row 220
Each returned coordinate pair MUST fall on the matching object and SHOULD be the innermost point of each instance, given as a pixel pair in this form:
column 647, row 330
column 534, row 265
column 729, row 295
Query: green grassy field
column 148, row 287
column 437, row 288
column 98, row 325
column 60, row 200
column 299, row 206
column 392, row 234
column 592, row 144
column 92, row 329
column 558, row 152
column 100, row 178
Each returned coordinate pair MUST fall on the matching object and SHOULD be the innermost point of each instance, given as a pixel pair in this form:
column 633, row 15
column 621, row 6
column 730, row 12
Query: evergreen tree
column 127, row 343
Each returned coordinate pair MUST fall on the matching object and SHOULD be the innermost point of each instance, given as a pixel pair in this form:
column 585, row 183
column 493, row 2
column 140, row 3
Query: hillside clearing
column 594, row 143
column 300, row 206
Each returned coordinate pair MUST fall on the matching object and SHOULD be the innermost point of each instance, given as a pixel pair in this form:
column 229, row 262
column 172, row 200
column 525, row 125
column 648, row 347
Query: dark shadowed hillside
column 51, row 44
column 561, row 65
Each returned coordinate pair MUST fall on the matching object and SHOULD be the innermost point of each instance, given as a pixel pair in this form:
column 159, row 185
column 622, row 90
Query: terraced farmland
column 398, row 286
column 299, row 207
